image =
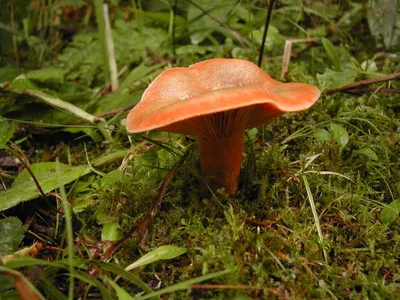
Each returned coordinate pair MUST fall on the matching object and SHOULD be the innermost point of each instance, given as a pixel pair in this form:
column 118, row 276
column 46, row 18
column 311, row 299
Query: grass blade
column 186, row 284
column 68, row 227
column 332, row 54
column 315, row 215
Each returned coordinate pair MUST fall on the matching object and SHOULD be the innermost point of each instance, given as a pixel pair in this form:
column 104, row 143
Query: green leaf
column 340, row 135
column 110, row 232
column 7, row 129
column 50, row 290
column 190, row 49
column 201, row 23
column 67, row 3
column 390, row 212
column 6, row 283
column 113, row 177
column 163, row 252
column 129, row 91
column 331, row 79
column 252, row 133
column 332, row 53
column 8, row 73
column 368, row 152
column 22, row 83
column 51, row 75
column 22, row 284
column 163, row 18
column 24, row 188
column 108, row 158
column 121, row 293
column 11, row 232
column 383, row 21
column 323, row 135
column 151, row 156
column 80, row 203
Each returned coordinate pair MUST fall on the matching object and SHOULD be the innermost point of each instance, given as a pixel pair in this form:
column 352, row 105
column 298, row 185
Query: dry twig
column 288, row 52
column 375, row 90
column 24, row 161
column 361, row 83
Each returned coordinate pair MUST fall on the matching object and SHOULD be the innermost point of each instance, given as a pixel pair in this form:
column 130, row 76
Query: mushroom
column 216, row 101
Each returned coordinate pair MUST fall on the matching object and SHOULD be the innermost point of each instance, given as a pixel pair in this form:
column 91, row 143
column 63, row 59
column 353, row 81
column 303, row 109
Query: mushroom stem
column 220, row 161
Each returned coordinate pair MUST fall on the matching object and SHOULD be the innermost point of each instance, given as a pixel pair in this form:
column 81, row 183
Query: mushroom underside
column 224, row 125
column 220, row 138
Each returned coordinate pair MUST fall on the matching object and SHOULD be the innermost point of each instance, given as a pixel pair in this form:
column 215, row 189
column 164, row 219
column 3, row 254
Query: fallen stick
column 361, row 83
column 366, row 90
column 288, row 52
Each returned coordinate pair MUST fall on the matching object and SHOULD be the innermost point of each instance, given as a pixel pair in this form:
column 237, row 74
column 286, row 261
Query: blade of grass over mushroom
column 186, row 284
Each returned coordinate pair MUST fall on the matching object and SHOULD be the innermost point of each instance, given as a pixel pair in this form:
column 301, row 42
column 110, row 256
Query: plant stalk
column 267, row 20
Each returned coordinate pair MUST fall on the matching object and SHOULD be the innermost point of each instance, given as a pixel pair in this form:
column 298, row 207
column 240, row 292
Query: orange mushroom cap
column 176, row 99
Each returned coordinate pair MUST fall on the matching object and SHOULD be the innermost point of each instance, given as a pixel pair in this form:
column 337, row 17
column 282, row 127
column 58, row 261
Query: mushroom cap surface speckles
column 214, row 86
